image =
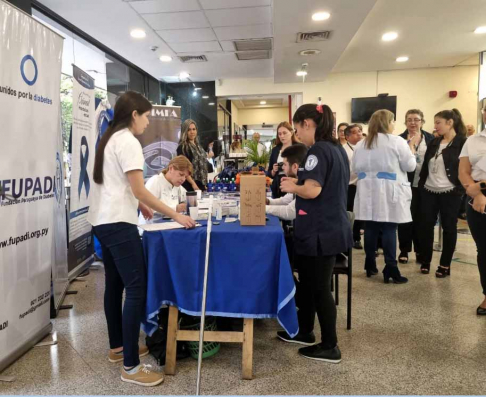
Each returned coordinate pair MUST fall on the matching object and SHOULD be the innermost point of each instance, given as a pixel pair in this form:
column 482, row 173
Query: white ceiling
column 272, row 101
column 432, row 33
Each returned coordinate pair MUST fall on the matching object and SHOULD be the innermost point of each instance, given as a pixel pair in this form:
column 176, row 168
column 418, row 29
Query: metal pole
column 438, row 246
column 203, row 305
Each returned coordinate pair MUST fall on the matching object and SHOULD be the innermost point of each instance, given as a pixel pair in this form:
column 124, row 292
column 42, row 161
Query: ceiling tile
column 153, row 6
column 244, row 32
column 187, row 35
column 217, row 4
column 200, row 47
column 240, row 16
column 176, row 20
column 228, row 46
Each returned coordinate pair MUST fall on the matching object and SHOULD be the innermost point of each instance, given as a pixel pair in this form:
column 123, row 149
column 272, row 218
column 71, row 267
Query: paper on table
column 153, row 227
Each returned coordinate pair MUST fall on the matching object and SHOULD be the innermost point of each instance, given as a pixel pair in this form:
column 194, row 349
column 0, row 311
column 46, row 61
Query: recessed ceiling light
column 184, row 75
column 205, row 97
column 301, row 73
column 321, row 16
column 197, row 88
column 211, row 103
column 402, row 59
column 481, row 29
column 263, row 102
column 194, row 93
column 138, row 33
column 165, row 58
column 390, row 36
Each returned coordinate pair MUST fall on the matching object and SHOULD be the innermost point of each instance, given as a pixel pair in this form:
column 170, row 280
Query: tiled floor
column 419, row 338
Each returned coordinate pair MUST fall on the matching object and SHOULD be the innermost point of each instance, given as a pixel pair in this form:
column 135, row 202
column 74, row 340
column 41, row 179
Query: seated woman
column 167, row 186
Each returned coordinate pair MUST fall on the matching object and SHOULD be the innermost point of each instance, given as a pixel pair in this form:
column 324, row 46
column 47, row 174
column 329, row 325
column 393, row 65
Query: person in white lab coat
column 383, row 195
column 167, row 186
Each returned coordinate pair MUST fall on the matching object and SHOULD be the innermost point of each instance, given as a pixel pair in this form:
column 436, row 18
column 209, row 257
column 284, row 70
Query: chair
column 344, row 265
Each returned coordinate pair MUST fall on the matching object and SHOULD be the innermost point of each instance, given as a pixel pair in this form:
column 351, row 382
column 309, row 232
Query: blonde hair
column 180, row 163
column 379, row 123
column 184, row 141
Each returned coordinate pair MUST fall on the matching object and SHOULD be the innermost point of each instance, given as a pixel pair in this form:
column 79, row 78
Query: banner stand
column 31, row 55
column 29, row 344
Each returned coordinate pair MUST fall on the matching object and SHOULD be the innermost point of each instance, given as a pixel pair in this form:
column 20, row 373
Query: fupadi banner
column 161, row 138
column 84, row 139
column 30, row 75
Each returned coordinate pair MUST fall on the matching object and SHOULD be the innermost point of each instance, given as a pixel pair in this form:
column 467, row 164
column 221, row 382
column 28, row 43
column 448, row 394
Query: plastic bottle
column 210, row 187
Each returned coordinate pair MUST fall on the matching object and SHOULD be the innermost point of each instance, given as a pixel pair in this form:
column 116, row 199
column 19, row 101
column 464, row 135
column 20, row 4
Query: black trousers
column 358, row 225
column 315, row 296
column 408, row 232
column 431, row 205
column 477, row 225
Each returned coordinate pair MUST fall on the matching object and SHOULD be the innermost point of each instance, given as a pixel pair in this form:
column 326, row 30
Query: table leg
column 171, row 354
column 248, row 348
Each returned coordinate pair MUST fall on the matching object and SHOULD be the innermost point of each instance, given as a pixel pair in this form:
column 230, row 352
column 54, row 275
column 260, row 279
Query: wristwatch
column 482, row 186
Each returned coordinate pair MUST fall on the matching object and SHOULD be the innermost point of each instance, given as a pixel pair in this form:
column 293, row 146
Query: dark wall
column 24, row 5
column 195, row 107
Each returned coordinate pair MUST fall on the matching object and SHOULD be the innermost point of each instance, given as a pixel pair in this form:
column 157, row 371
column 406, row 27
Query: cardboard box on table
column 252, row 200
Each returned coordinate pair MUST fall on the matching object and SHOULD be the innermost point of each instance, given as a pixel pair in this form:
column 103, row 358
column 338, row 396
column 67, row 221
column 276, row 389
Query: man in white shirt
column 353, row 134
column 261, row 146
column 284, row 207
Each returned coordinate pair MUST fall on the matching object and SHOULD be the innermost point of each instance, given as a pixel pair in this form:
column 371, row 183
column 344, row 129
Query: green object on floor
column 209, row 348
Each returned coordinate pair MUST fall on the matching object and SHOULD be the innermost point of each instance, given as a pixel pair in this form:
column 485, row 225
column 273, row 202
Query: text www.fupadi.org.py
column 27, row 236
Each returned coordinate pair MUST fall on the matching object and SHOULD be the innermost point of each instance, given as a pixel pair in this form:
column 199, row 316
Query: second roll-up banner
column 80, row 253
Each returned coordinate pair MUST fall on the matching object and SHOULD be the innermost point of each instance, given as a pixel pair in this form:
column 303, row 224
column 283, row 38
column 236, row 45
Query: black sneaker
column 357, row 245
column 316, row 352
column 301, row 339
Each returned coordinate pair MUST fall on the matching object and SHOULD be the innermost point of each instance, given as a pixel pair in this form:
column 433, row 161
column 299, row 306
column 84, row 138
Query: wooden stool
column 174, row 334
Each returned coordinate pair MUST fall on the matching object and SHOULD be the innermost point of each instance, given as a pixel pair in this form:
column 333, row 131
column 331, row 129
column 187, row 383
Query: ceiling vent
column 253, row 45
column 314, row 36
column 252, row 55
column 193, row 58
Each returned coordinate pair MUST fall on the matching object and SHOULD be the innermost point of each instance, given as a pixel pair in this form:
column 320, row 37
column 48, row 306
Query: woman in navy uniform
column 322, row 228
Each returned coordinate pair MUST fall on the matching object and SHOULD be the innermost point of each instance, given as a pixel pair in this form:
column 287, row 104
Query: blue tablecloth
column 249, row 273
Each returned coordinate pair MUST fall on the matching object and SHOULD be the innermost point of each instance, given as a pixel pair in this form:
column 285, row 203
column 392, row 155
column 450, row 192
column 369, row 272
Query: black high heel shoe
column 443, row 272
column 371, row 272
column 425, row 268
column 392, row 272
column 403, row 257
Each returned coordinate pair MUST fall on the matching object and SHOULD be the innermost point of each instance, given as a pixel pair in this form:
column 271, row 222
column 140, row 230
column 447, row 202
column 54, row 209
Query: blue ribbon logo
column 83, row 174
column 22, row 65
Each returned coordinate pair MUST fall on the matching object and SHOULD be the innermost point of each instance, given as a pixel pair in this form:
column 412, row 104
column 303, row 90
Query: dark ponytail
column 125, row 105
column 324, row 121
column 456, row 116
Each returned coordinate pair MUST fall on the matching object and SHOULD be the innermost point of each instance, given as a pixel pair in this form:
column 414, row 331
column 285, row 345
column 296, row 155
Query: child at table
column 167, row 186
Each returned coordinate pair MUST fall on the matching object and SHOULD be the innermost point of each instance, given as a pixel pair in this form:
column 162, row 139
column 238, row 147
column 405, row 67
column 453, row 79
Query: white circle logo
column 311, row 163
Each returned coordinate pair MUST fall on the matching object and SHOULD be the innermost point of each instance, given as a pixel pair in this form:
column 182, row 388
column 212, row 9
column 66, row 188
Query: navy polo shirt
column 321, row 224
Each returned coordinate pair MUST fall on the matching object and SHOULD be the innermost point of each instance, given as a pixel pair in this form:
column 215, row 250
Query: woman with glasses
column 408, row 232
column 472, row 173
column 441, row 190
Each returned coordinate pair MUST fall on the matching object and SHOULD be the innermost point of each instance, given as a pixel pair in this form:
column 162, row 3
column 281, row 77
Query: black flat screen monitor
column 363, row 108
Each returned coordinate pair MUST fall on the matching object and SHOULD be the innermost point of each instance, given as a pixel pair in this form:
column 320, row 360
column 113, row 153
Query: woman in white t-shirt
column 116, row 194
column 472, row 173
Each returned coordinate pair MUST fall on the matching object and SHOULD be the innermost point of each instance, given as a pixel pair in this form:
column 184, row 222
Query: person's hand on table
column 185, row 221
column 147, row 212
column 181, row 207
column 479, row 203
column 288, row 185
